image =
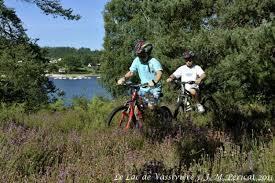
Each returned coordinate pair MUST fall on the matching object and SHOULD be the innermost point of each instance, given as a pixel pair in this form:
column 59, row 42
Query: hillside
column 75, row 145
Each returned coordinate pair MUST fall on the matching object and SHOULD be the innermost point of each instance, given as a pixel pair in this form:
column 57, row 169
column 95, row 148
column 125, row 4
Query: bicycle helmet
column 143, row 46
column 188, row 54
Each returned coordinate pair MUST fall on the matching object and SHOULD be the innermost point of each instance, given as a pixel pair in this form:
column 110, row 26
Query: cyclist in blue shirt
column 149, row 71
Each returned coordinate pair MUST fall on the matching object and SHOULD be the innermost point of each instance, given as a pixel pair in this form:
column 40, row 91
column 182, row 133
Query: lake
column 87, row 88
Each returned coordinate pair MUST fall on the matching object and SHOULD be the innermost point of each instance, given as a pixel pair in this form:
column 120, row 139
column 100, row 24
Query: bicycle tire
column 210, row 105
column 177, row 109
column 166, row 114
column 118, row 111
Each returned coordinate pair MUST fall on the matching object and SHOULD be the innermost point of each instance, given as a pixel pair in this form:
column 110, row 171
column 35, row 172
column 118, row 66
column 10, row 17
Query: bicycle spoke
column 124, row 116
column 210, row 105
column 118, row 118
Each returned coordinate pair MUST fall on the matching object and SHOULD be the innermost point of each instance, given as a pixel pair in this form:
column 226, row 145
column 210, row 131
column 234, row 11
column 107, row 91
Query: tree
column 22, row 72
column 84, row 55
column 53, row 7
column 72, row 63
column 10, row 25
column 22, row 75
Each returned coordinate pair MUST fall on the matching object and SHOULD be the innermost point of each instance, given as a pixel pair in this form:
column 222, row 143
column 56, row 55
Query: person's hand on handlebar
column 121, row 81
column 151, row 83
column 171, row 78
column 198, row 81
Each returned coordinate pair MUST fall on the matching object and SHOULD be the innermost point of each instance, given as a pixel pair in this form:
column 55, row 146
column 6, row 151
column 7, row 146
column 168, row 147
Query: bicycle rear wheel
column 118, row 117
column 210, row 105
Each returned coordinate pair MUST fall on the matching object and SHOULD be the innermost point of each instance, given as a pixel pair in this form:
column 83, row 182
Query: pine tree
column 22, row 72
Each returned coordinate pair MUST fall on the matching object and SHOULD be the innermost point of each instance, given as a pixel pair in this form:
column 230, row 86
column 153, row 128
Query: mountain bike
column 130, row 114
column 185, row 103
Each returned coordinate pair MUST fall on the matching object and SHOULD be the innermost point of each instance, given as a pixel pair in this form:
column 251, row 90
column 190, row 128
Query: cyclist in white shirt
column 190, row 72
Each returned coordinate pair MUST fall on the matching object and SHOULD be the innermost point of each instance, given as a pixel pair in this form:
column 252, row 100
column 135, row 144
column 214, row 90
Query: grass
column 74, row 145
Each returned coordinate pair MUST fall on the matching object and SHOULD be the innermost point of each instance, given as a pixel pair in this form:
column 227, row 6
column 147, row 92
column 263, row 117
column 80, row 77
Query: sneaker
column 200, row 108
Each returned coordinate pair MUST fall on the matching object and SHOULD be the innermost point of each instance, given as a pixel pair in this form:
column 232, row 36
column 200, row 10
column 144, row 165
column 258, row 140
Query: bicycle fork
column 138, row 115
column 134, row 112
column 131, row 114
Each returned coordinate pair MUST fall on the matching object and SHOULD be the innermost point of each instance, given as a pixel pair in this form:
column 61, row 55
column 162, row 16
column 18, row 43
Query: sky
column 87, row 32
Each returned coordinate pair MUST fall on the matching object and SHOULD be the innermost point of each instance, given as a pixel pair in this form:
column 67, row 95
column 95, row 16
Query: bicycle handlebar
column 131, row 85
column 135, row 86
column 183, row 82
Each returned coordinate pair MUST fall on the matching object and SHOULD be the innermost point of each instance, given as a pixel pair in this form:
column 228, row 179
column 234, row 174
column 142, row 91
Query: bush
column 12, row 113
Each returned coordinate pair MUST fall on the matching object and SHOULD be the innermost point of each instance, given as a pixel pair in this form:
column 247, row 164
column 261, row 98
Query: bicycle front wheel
column 118, row 117
column 166, row 114
column 179, row 107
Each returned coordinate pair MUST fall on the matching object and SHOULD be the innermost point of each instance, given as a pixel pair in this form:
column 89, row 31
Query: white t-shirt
column 188, row 74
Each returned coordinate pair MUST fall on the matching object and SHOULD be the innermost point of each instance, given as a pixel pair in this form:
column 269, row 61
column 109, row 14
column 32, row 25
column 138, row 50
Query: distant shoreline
column 72, row 76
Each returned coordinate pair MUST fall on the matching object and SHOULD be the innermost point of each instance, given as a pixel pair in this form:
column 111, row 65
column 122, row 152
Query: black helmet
column 143, row 46
column 188, row 55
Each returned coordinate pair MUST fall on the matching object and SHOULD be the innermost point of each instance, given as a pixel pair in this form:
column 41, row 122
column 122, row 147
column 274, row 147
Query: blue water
column 87, row 88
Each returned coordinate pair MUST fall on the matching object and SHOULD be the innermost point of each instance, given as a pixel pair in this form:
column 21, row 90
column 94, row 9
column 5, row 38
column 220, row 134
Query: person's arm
column 157, row 79
column 158, row 76
column 175, row 75
column 202, row 77
column 171, row 78
column 128, row 75
column 158, row 69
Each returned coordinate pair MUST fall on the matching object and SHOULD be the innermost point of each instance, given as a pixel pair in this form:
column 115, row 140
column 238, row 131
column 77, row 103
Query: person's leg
column 145, row 101
column 154, row 98
column 193, row 89
column 194, row 94
column 153, row 101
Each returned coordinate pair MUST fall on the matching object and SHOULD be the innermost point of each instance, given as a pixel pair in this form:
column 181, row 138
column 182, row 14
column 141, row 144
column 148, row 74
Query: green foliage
column 12, row 113
column 58, row 105
column 22, row 75
column 98, row 110
column 53, row 7
column 80, row 103
column 11, row 26
column 52, row 68
column 233, row 42
column 35, row 159
column 75, row 60
column 82, row 115
column 72, row 63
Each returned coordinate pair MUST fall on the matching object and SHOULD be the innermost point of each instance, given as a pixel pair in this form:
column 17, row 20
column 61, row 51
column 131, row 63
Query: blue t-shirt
column 147, row 72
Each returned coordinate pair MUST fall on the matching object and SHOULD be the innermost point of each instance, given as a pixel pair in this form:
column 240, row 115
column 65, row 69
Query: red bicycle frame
column 134, row 110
